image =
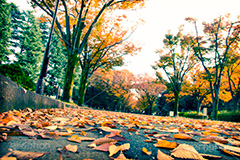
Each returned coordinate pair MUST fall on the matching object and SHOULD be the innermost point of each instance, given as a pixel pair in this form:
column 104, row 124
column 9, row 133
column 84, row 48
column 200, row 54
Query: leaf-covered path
column 72, row 133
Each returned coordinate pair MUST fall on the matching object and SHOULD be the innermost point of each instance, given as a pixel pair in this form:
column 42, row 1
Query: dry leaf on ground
column 25, row 155
column 185, row 151
column 101, row 141
column 165, row 144
column 214, row 139
column 163, row 156
column 183, row 137
column 103, row 147
column 72, row 148
column 146, row 151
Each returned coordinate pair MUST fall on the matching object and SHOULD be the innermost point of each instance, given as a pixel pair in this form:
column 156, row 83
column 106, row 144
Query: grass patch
column 192, row 114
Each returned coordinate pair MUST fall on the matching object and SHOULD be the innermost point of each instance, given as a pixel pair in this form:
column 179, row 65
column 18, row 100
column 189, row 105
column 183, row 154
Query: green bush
column 14, row 71
column 192, row 114
column 233, row 116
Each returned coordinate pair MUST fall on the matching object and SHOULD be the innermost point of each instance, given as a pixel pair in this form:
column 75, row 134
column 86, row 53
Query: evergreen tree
column 31, row 47
column 5, row 32
column 56, row 68
column 17, row 20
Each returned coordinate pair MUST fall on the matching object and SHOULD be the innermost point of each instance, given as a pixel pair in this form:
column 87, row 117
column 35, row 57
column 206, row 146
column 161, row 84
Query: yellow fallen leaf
column 101, row 141
column 75, row 138
column 113, row 150
column 146, row 152
column 165, row 144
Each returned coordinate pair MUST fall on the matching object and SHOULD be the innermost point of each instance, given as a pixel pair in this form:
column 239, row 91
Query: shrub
column 192, row 114
column 14, row 71
column 233, row 116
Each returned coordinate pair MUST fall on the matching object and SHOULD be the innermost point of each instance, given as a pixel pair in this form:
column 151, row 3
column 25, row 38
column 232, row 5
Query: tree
column 175, row 65
column 213, row 50
column 232, row 80
column 117, row 84
column 197, row 86
column 31, row 47
column 5, row 32
column 75, row 24
column 148, row 90
column 57, row 63
column 17, row 21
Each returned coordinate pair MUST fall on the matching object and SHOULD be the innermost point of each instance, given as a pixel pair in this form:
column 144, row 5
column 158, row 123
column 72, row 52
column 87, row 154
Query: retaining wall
column 13, row 96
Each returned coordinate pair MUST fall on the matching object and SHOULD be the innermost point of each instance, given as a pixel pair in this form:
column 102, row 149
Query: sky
column 161, row 16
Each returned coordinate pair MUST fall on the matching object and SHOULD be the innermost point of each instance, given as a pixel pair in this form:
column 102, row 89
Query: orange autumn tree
column 176, row 60
column 197, row 86
column 75, row 24
column 214, row 49
column 148, row 90
column 231, row 80
column 117, row 83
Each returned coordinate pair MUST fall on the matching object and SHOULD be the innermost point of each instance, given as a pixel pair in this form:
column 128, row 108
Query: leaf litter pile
column 72, row 133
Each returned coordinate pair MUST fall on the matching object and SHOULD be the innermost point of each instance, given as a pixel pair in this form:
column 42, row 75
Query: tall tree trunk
column 69, row 79
column 215, row 103
column 83, row 87
column 176, row 103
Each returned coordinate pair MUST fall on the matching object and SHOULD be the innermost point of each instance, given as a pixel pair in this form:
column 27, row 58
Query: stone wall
column 13, row 96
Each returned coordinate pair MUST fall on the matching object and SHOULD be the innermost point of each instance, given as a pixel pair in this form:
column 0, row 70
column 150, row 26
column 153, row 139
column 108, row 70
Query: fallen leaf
column 72, row 148
column 229, row 152
column 113, row 150
column 101, row 141
column 234, row 142
column 229, row 148
column 183, row 137
column 145, row 151
column 51, row 127
column 74, row 138
column 83, row 133
column 131, row 130
column 214, row 139
column 103, row 147
column 108, row 129
column 121, row 157
column 165, row 144
column 26, row 155
column 185, row 151
column 163, row 156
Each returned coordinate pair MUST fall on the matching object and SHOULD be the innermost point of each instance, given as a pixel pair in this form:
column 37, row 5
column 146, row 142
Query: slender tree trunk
column 176, row 103
column 83, row 87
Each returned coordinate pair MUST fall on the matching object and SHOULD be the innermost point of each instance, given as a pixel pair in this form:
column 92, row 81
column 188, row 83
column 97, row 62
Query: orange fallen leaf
column 83, row 133
column 183, row 136
column 163, row 156
column 131, row 130
column 185, row 151
column 165, row 144
column 113, row 150
column 234, row 142
column 146, row 151
column 75, row 138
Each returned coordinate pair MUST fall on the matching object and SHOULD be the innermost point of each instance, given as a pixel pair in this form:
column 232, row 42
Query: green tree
column 175, row 64
column 31, row 47
column 57, row 63
column 5, row 32
column 74, row 25
column 17, row 21
column 214, row 50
